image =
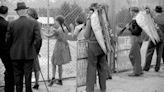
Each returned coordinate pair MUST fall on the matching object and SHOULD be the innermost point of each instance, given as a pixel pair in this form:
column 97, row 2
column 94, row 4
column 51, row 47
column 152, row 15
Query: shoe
column 51, row 82
column 156, row 70
column 59, row 82
column 36, row 86
column 109, row 77
column 146, row 69
column 103, row 90
column 134, row 75
column 141, row 73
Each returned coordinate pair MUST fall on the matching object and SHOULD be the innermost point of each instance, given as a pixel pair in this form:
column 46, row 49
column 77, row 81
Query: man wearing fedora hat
column 25, row 39
column 4, row 51
column 159, row 20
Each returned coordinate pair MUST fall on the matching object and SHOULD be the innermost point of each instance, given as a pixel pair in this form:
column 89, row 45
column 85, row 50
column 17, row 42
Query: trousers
column 23, row 68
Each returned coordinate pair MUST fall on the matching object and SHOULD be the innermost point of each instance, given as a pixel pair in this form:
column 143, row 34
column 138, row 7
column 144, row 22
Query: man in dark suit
column 159, row 20
column 4, row 51
column 24, row 39
column 96, row 58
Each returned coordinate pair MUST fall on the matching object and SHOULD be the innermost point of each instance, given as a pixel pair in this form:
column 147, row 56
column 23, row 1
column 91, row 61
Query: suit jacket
column 3, row 30
column 24, row 38
column 93, row 45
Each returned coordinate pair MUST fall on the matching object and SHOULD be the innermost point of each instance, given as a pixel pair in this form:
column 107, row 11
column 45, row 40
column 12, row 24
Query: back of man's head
column 22, row 12
column 134, row 9
column 3, row 10
column 79, row 20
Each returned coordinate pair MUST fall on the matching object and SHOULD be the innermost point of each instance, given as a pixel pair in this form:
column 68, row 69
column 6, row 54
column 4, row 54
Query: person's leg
column 159, row 50
column 36, row 73
column 109, row 70
column 132, row 53
column 53, row 71
column 9, row 74
column 36, row 70
column 101, row 67
column 36, row 77
column 60, row 71
column 28, row 65
column 18, row 75
column 36, row 86
column 137, row 58
column 163, row 55
column 53, row 75
column 149, row 54
column 91, row 72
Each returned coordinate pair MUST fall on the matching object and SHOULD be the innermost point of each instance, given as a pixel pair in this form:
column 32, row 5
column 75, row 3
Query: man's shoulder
column 31, row 19
column 2, row 20
column 14, row 21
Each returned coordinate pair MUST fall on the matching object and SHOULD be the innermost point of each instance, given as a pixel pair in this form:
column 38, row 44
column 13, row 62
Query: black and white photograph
column 81, row 45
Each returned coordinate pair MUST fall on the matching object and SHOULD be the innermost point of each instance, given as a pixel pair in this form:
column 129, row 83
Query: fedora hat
column 3, row 9
column 158, row 9
column 21, row 5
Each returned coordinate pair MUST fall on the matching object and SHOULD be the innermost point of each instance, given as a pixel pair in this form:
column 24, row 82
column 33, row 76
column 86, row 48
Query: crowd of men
column 20, row 43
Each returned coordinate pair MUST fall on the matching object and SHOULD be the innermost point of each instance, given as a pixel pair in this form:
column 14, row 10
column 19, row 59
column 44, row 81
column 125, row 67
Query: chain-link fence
column 118, row 15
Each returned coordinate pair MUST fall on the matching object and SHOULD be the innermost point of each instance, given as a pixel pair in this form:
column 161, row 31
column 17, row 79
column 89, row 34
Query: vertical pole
column 48, row 5
column 112, row 62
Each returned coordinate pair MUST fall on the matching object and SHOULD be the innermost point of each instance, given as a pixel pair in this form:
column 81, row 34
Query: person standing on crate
column 4, row 51
column 61, row 54
column 136, row 43
column 96, row 57
column 36, row 66
column 24, row 39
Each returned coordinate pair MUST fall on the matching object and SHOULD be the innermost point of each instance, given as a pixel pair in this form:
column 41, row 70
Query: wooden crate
column 81, row 65
column 123, row 62
column 82, row 49
column 81, row 68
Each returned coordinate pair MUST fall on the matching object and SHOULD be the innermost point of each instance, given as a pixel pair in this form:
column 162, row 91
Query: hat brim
column 158, row 11
column 21, row 8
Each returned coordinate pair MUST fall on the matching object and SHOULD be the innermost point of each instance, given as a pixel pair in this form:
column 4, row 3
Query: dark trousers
column 150, row 52
column 135, row 55
column 9, row 75
column 163, row 55
column 98, row 63
column 23, row 68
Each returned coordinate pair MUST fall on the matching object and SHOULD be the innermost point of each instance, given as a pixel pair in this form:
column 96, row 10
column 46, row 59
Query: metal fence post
column 48, row 15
